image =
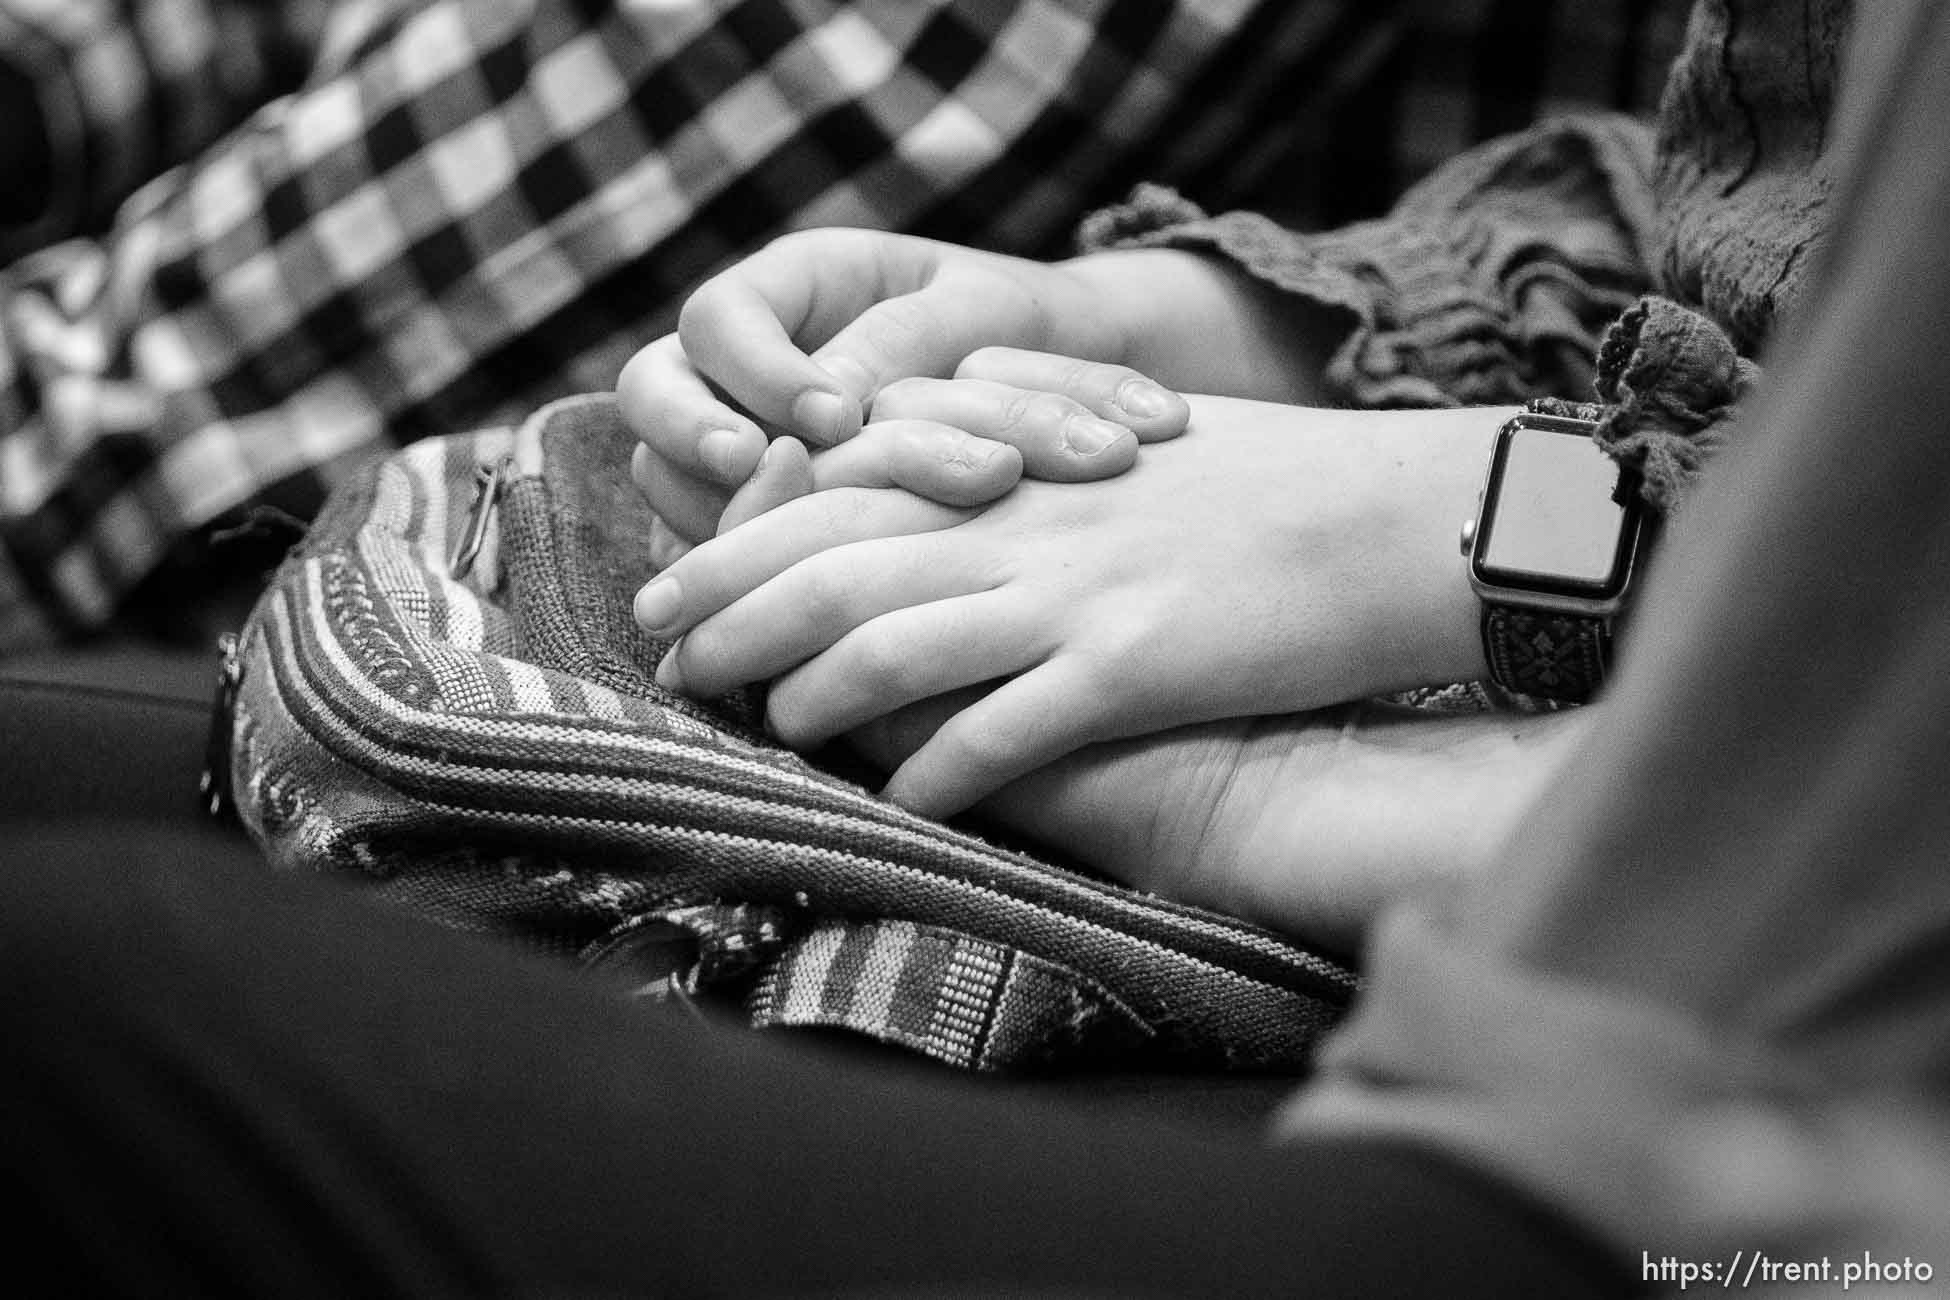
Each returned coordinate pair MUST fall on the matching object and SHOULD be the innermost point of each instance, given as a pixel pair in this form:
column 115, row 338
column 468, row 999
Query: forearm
column 1306, row 823
column 1202, row 325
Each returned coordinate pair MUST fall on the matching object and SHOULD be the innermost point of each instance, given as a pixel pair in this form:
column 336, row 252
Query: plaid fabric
column 492, row 752
column 128, row 88
column 1470, row 70
column 472, row 206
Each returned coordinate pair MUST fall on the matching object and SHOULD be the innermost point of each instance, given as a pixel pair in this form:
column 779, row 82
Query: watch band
column 1537, row 652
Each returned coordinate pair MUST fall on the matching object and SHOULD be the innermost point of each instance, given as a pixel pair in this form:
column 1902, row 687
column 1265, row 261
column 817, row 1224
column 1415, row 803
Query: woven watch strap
column 1535, row 652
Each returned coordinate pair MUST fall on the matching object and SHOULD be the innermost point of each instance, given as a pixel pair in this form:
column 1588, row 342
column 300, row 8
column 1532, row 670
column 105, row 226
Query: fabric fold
column 1490, row 282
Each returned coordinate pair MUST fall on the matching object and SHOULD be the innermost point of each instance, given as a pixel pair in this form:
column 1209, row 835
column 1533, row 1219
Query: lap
column 310, row 1094
column 115, row 731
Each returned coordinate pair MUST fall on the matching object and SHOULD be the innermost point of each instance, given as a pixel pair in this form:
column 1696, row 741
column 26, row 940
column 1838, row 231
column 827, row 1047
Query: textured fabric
column 1553, row 656
column 963, row 1001
column 473, row 206
column 1671, row 380
column 122, row 89
column 1489, row 283
column 1499, row 277
column 493, row 752
column 1468, row 71
column 469, row 207
column 1746, row 161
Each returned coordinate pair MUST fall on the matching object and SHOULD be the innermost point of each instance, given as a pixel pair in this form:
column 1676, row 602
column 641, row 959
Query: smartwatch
column 1551, row 552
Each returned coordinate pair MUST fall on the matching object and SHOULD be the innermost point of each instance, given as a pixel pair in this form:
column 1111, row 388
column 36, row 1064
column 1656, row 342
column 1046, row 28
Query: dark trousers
column 220, row 1081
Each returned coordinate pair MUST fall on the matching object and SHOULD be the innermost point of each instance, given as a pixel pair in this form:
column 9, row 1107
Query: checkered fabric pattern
column 467, row 207
column 1468, row 70
column 131, row 87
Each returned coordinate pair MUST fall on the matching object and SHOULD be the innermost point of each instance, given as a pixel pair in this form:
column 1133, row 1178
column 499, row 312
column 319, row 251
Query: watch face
column 1550, row 520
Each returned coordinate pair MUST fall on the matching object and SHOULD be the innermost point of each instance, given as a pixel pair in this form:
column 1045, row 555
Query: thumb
column 928, row 332
column 744, row 328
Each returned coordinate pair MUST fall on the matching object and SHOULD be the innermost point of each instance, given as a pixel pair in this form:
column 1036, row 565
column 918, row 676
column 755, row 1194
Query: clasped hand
column 941, row 534
column 1270, row 560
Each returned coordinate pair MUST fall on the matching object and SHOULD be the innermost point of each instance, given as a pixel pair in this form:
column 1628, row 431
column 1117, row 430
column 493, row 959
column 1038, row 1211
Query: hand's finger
column 1060, row 439
column 721, row 570
column 940, row 463
column 887, row 741
column 903, row 656
column 808, row 608
column 930, row 330
column 1117, row 393
column 666, row 547
column 1022, row 725
column 689, row 506
column 784, row 473
column 674, row 412
column 744, row 326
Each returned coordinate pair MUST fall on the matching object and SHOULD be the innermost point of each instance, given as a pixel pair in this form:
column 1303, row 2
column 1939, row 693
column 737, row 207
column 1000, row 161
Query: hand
column 1273, row 560
column 799, row 338
column 1306, row 823
column 872, row 308
column 1012, row 412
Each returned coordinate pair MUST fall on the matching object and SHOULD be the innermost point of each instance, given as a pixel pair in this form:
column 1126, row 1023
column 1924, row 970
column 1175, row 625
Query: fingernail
column 716, row 451
column 659, row 604
column 817, row 415
column 669, row 675
column 1143, row 399
column 1087, row 435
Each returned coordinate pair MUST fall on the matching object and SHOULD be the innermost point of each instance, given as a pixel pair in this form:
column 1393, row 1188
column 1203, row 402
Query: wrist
column 1200, row 324
column 1445, row 454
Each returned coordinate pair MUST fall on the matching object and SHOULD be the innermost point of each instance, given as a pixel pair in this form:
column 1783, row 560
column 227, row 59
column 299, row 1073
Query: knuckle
column 901, row 397
column 964, row 453
column 900, row 324
column 1079, row 377
column 824, row 592
column 982, row 362
column 841, row 514
column 794, row 241
column 801, row 247
column 666, row 547
column 1049, row 411
column 1097, row 384
column 1015, row 413
column 977, row 748
column 639, row 386
column 882, row 663
column 633, row 383
column 787, row 717
column 695, row 317
column 696, row 652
